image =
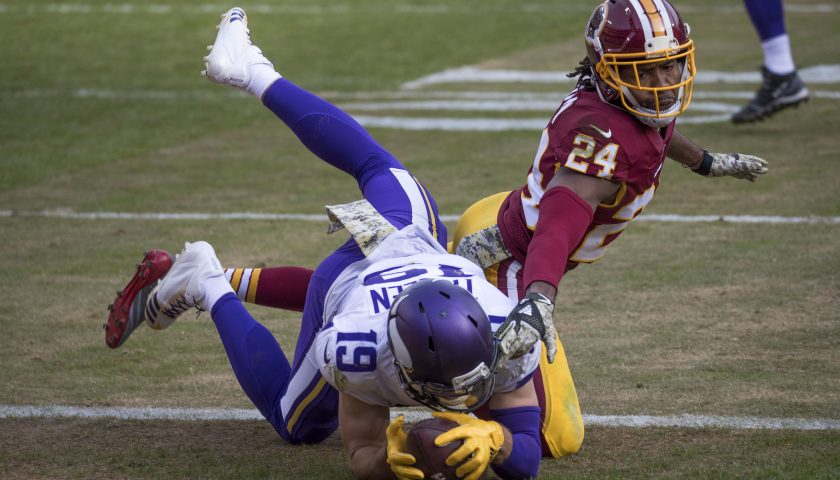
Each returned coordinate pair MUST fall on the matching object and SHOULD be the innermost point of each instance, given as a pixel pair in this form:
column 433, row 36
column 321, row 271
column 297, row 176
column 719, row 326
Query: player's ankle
column 262, row 76
column 215, row 288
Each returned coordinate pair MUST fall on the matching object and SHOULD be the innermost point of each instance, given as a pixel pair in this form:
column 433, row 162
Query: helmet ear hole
column 431, row 344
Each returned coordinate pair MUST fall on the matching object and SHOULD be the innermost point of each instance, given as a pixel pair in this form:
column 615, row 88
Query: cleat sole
column 154, row 266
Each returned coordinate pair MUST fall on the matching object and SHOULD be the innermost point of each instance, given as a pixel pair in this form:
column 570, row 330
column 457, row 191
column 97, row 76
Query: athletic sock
column 778, row 57
column 262, row 76
column 214, row 288
column 275, row 287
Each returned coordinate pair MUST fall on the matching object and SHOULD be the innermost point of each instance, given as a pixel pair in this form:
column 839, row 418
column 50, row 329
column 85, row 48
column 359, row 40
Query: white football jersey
column 352, row 348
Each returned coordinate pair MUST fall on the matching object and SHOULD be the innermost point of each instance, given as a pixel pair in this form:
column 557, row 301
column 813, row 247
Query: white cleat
column 183, row 286
column 232, row 55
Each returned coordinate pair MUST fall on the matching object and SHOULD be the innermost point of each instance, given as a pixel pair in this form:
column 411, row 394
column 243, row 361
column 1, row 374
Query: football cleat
column 183, row 287
column 776, row 92
column 126, row 312
column 233, row 54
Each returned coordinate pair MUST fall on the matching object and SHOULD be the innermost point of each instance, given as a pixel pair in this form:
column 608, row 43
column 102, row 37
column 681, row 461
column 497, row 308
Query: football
column 431, row 459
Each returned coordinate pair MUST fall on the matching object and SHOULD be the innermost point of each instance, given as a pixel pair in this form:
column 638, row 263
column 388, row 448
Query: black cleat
column 776, row 92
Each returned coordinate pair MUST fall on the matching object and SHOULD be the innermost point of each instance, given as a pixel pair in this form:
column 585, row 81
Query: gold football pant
column 562, row 424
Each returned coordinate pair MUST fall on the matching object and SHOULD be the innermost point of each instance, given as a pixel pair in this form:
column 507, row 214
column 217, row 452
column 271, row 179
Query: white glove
column 737, row 165
column 531, row 320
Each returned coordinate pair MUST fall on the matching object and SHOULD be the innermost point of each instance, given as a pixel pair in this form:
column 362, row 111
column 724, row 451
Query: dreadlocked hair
column 584, row 71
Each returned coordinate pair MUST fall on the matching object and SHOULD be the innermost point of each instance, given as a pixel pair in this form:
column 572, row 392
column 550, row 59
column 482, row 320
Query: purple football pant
column 295, row 398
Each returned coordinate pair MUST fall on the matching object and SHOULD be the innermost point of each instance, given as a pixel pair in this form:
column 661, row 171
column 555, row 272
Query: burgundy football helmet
column 443, row 346
column 626, row 34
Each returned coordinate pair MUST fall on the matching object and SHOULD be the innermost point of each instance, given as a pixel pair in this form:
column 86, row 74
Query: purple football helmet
column 443, row 346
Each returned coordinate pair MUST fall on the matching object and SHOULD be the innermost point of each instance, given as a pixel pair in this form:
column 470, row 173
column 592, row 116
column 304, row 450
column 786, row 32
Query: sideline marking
column 433, row 9
column 311, row 217
column 413, row 415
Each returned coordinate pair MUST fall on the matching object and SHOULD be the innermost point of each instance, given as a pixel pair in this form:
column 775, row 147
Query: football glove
column 482, row 441
column 400, row 461
column 738, row 165
column 531, row 320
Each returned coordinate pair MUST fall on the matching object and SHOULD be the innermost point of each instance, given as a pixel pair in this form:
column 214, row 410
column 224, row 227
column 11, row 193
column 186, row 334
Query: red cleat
column 126, row 313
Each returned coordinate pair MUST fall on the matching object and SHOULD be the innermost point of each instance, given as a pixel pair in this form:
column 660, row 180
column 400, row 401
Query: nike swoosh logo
column 606, row 134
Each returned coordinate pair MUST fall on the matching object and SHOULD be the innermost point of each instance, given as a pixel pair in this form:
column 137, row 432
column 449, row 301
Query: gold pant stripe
column 429, row 208
column 290, row 425
column 236, row 279
column 251, row 296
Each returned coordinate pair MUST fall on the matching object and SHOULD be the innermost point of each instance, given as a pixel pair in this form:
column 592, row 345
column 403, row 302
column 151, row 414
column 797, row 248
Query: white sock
column 778, row 57
column 262, row 76
column 215, row 288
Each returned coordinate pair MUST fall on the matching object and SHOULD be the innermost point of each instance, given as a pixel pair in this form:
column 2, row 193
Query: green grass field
column 104, row 110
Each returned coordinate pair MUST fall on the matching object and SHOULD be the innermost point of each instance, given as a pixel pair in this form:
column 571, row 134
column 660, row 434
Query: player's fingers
column 396, row 424
column 471, row 469
column 551, row 348
column 401, row 458
column 450, row 436
column 407, row 473
column 459, row 455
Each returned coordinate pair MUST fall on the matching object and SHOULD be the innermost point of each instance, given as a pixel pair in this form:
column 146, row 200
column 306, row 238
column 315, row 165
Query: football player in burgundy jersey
column 596, row 168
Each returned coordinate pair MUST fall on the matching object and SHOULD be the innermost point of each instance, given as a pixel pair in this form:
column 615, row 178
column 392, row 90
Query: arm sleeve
column 525, row 456
column 564, row 218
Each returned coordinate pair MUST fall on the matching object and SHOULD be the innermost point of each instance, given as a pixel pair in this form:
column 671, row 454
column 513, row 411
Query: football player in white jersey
column 390, row 318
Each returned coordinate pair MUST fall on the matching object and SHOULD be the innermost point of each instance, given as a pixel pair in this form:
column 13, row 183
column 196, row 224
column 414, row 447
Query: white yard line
column 413, row 96
column 71, row 214
column 818, row 74
column 345, row 8
column 412, row 415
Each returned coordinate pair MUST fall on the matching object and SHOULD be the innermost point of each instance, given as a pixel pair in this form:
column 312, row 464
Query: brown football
column 431, row 459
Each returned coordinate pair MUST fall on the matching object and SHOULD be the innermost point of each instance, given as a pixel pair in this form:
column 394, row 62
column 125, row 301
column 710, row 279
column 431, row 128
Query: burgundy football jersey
column 594, row 138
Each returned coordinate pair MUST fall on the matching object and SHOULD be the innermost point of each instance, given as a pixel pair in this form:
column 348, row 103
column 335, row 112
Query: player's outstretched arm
column 510, row 443
column 363, row 432
column 702, row 162
column 518, row 411
column 566, row 211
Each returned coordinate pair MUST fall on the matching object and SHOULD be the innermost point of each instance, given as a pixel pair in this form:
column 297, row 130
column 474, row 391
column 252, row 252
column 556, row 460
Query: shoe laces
column 179, row 306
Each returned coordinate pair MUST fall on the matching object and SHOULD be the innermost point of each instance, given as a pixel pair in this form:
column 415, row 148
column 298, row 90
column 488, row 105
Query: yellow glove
column 482, row 440
column 400, row 462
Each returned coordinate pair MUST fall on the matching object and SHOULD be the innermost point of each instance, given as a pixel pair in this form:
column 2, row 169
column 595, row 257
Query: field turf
column 104, row 110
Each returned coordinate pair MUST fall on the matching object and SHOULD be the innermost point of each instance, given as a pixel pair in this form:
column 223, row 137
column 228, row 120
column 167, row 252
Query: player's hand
column 400, row 461
column 482, row 440
column 531, row 320
column 738, row 165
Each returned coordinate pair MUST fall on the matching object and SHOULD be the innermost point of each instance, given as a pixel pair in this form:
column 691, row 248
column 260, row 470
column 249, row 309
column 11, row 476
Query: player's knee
column 571, row 442
column 309, row 434
column 566, row 442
